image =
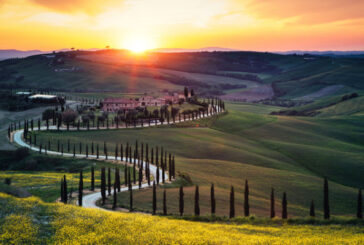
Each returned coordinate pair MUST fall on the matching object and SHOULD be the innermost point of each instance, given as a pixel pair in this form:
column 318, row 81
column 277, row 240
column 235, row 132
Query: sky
column 261, row 25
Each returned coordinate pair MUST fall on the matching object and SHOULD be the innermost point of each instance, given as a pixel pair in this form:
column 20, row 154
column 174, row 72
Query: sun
column 138, row 45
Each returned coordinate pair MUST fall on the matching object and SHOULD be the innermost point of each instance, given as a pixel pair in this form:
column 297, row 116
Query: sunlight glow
column 138, row 44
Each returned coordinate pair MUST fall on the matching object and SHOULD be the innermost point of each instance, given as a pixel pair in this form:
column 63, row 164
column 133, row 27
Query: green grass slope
column 292, row 154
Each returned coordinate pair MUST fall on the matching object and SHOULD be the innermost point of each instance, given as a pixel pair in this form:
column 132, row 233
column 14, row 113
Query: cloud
column 70, row 6
column 308, row 11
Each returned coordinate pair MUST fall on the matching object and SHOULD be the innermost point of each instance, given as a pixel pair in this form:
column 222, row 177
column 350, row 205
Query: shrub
column 21, row 153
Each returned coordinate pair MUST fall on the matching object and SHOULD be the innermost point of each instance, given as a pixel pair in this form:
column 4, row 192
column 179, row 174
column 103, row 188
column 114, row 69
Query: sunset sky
column 262, row 25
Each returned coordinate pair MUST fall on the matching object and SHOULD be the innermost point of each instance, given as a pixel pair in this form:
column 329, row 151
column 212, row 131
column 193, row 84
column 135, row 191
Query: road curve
column 89, row 200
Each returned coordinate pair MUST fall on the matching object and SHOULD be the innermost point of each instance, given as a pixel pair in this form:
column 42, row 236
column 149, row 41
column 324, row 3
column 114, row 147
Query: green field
column 40, row 175
column 290, row 154
column 31, row 221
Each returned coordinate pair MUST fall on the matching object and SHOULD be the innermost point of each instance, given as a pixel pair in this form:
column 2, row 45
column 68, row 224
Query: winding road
column 89, row 200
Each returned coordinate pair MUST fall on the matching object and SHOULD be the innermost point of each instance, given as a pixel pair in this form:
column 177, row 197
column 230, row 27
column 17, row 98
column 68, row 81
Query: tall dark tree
column 140, row 179
column 154, row 198
column 359, row 213
column 130, row 198
column 65, row 192
column 109, row 181
column 197, row 201
column 97, row 151
column 326, row 200
column 246, row 199
column 103, row 185
column 80, row 190
column 92, row 148
column 186, row 92
column 157, row 174
column 121, row 152
column 272, row 205
column 126, row 174
column 181, row 201
column 312, row 209
column 232, row 203
column 117, row 179
column 62, row 191
column 92, row 178
column 116, row 152
column 164, row 202
column 213, row 200
column 284, row 206
column 114, row 198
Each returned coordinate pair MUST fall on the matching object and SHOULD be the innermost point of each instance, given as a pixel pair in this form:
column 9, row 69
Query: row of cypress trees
column 246, row 206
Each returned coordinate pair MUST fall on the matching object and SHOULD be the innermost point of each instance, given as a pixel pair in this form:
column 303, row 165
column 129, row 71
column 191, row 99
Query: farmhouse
column 115, row 104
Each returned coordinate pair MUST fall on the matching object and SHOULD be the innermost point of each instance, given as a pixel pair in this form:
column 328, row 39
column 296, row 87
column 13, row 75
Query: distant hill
column 13, row 53
column 182, row 50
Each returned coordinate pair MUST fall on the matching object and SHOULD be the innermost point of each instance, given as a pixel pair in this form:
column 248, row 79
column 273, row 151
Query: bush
column 21, row 153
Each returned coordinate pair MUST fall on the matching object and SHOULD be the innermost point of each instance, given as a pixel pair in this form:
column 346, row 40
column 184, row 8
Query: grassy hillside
column 210, row 73
column 40, row 175
column 30, row 221
column 289, row 154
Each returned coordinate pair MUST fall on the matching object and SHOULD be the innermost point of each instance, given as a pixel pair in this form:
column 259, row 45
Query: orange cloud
column 88, row 6
column 307, row 11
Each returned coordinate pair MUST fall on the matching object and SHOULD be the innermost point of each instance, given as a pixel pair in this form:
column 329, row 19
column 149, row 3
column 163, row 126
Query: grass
column 290, row 154
column 40, row 175
column 31, row 221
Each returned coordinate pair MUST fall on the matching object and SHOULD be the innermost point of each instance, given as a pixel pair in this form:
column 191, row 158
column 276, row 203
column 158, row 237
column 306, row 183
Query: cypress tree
column 181, row 201
column 134, row 173
column 65, row 197
column 121, row 152
column 326, row 200
column 272, row 209
column 164, row 202
column 154, row 199
column 246, row 199
column 97, row 151
column 92, row 148
column 127, row 151
column 92, row 178
column 116, row 152
column 197, row 201
column 169, row 167
column 103, row 185
column 359, row 213
column 80, row 190
column 312, row 209
column 232, row 203
column 140, row 178
column 126, row 174
column 86, row 150
column 130, row 198
column 148, row 174
column 68, row 146
column 173, row 168
column 213, row 200
column 157, row 173
column 129, row 177
column 62, row 191
column 115, row 198
column 118, row 182
column 109, row 181
column 284, row 206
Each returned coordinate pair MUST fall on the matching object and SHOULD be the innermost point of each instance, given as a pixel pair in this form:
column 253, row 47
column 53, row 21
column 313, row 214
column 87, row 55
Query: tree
column 92, row 178
column 359, row 213
column 326, row 200
column 65, row 197
column 284, row 206
column 103, row 185
column 312, row 209
column 164, row 202
column 47, row 114
column 181, row 201
column 80, row 190
column 197, row 201
column 154, row 198
column 115, row 198
column 109, row 181
column 130, row 198
column 186, row 92
column 232, row 203
column 272, row 209
column 246, row 199
column 192, row 92
column 62, row 191
column 213, row 200
column 69, row 116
